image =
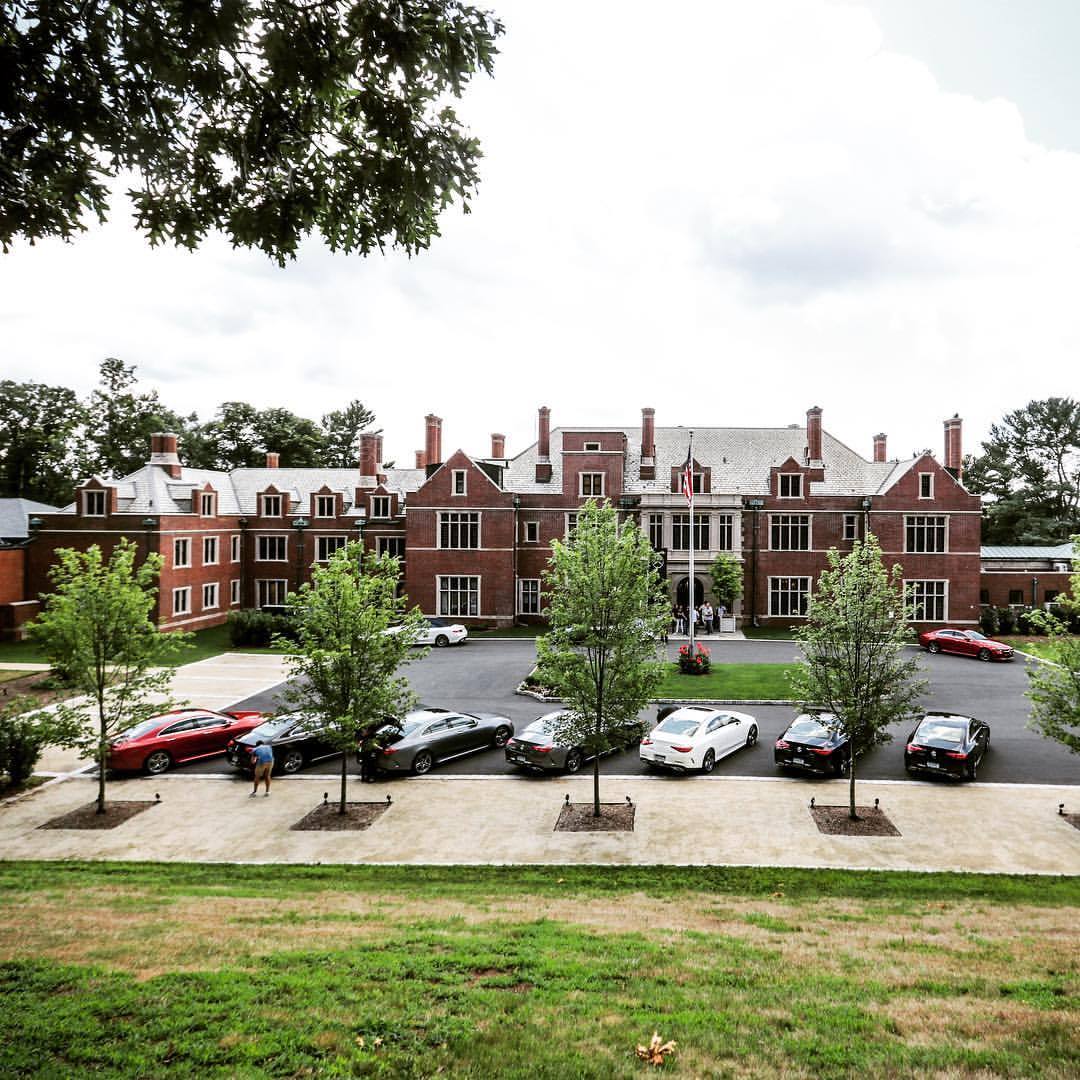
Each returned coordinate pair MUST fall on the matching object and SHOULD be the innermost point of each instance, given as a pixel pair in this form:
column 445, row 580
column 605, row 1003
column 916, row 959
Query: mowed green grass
column 141, row 970
column 730, row 682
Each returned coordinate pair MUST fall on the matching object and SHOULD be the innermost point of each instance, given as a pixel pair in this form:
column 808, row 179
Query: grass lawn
column 1036, row 646
column 729, row 682
column 769, row 633
column 21, row 652
column 511, row 632
column 7, row 676
column 533, row 972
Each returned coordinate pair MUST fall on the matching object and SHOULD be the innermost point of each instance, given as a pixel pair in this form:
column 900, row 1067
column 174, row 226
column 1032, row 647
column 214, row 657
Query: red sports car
column 965, row 642
column 178, row 736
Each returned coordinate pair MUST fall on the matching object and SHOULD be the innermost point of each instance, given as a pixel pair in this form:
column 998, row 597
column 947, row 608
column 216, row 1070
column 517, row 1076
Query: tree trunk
column 851, row 786
column 103, row 757
column 344, row 774
column 596, row 786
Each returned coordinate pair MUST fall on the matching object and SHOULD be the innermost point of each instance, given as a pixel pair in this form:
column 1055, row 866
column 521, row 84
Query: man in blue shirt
column 263, row 759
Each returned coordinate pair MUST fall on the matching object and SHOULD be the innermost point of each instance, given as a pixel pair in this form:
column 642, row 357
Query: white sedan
column 437, row 632
column 696, row 737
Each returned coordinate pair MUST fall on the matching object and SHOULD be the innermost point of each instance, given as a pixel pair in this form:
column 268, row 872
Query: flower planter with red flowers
column 694, row 662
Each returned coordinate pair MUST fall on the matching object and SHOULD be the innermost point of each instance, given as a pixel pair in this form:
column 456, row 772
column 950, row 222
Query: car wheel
column 502, row 735
column 933, row 647
column 157, row 762
column 973, row 770
column 422, row 763
column 292, row 761
column 442, row 641
column 843, row 765
column 573, row 761
column 984, row 654
column 708, row 762
column 751, row 735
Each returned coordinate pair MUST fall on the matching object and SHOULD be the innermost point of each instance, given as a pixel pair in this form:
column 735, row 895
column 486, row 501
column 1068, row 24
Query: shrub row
column 258, row 628
column 1007, row 620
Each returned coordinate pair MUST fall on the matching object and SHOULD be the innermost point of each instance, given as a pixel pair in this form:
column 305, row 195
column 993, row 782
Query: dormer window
column 206, row 504
column 459, row 482
column 380, row 506
column 926, row 485
column 94, row 503
column 595, row 446
column 791, row 485
column 271, row 506
column 325, row 506
column 592, row 485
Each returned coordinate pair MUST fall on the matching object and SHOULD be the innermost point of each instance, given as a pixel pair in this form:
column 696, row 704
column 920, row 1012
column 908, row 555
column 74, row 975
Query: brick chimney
column 421, row 459
column 543, row 446
column 380, row 474
column 368, row 453
column 648, row 444
column 954, row 452
column 498, row 445
column 273, row 461
column 163, row 452
column 813, row 434
column 879, row 446
column 433, row 440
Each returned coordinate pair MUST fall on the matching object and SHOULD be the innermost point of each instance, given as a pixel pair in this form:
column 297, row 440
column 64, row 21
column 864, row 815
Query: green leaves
column 323, row 117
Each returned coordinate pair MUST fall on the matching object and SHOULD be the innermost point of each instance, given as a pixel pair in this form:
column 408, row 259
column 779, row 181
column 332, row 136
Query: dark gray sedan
column 539, row 749
column 429, row 736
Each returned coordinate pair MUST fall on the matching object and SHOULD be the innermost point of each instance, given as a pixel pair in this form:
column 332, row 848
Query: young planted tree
column 606, row 618
column 97, row 627
column 853, row 665
column 727, row 579
column 352, row 634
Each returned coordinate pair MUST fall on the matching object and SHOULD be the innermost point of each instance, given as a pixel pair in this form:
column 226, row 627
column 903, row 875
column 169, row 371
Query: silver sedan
column 430, row 736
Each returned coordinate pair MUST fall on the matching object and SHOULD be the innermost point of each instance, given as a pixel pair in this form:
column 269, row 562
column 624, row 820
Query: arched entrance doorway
column 682, row 593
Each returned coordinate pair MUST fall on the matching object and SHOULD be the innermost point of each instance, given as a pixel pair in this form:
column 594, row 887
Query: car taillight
column 958, row 754
column 683, row 749
column 782, row 744
column 821, row 750
column 914, row 747
column 646, row 742
column 389, row 749
column 544, row 749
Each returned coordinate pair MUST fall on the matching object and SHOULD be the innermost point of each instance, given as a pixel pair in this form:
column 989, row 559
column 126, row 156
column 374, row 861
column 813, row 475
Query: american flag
column 688, row 476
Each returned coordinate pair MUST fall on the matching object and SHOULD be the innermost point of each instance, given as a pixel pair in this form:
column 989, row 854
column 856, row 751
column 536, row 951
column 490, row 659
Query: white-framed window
column 380, row 506
column 789, row 532
column 326, row 506
column 234, row 591
column 459, row 529
column 594, row 446
column 851, row 526
column 210, row 550
column 459, row 482
column 571, row 524
column 181, row 600
column 925, row 533
column 532, row 532
column 94, row 503
column 926, row 485
column 592, row 485
column 271, row 592
column 234, row 547
column 271, row 506
column 325, row 546
column 390, row 545
column 206, row 504
column 790, row 485
column 459, row 595
column 210, row 596
column 529, row 596
column 272, row 549
column 680, row 532
column 181, row 552
column 928, row 601
column 656, row 531
column 789, row 597
column 725, row 532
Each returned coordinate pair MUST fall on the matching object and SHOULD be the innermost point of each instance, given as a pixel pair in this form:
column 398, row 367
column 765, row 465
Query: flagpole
column 693, row 595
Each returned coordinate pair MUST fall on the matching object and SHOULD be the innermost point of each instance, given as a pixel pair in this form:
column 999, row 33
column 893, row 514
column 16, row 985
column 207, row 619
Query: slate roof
column 740, row 459
column 14, row 514
column 1055, row 551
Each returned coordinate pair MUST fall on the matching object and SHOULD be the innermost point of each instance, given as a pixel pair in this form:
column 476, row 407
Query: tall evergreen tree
column 342, row 429
column 38, row 425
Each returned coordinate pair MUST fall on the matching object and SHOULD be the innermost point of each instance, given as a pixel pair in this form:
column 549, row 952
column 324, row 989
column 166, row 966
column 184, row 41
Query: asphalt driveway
column 481, row 676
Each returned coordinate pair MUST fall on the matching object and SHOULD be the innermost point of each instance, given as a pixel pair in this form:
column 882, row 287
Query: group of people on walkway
column 704, row 618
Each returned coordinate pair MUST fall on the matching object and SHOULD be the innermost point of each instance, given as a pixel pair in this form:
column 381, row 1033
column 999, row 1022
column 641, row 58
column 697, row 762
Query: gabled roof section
column 15, row 513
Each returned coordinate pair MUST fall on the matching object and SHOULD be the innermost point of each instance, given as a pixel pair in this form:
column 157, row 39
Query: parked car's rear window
column 144, row 728
column 673, row 725
column 809, row 728
column 272, row 728
column 950, row 731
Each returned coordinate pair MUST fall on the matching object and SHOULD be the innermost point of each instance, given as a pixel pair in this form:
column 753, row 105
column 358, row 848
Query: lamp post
column 755, row 505
column 866, row 504
column 299, row 524
column 1034, row 592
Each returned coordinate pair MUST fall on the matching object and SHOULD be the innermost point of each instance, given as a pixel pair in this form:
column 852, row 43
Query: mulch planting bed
column 325, row 818
column 29, row 684
column 86, row 817
column 1073, row 820
column 836, row 821
column 578, row 817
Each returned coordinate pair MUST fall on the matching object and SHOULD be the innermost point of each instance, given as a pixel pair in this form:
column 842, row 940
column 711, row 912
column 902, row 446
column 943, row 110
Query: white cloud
column 727, row 211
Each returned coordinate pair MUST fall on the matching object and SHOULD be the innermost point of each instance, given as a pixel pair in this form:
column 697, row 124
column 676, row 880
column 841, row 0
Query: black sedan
column 428, row 736
column 947, row 744
column 540, row 749
column 296, row 739
column 811, row 745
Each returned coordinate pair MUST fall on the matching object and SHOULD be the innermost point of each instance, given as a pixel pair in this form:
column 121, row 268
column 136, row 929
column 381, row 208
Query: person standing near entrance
column 721, row 611
column 706, row 618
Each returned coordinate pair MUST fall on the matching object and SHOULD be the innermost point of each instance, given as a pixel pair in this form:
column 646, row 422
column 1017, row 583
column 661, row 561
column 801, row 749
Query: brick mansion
column 473, row 532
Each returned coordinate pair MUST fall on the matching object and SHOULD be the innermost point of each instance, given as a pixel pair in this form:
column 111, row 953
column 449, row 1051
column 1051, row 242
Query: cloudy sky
column 729, row 211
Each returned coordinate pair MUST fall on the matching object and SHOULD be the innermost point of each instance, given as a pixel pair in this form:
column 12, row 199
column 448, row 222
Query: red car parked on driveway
column 965, row 642
column 178, row 736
